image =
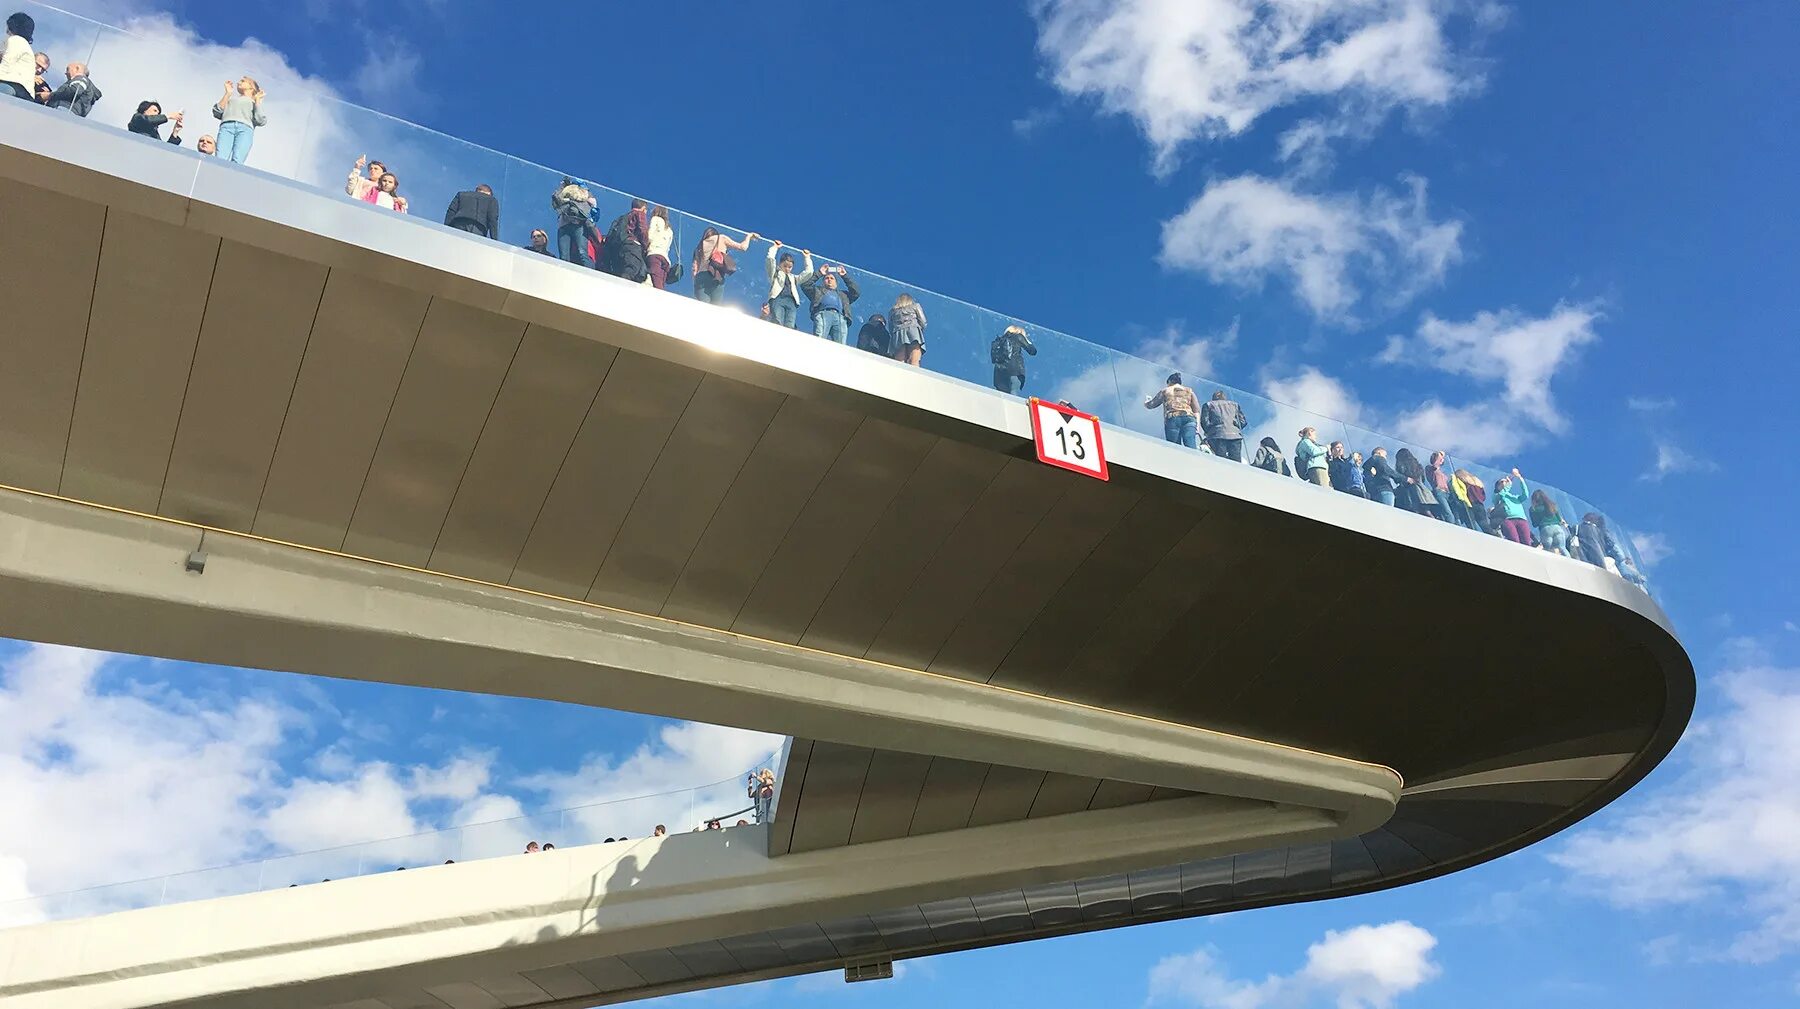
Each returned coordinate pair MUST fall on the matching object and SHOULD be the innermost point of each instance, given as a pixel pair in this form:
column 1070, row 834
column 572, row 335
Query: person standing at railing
column 1514, row 499
column 1269, row 457
column 1412, row 493
column 358, row 186
column 785, row 284
column 1476, row 493
column 713, row 263
column 874, row 336
column 1597, row 544
column 1223, row 423
column 1008, row 354
column 540, row 242
column 148, row 121
column 574, row 228
column 18, row 64
column 239, row 112
column 1346, row 474
column 623, row 254
column 657, row 244
column 907, row 322
column 475, row 211
column 1181, row 411
column 1439, row 482
column 1309, row 458
column 78, row 93
column 1547, row 520
column 1356, row 476
column 1379, row 477
column 762, row 793
column 832, row 292
column 386, row 194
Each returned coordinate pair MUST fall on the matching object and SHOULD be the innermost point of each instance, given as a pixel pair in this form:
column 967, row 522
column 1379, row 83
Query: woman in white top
column 18, row 63
column 656, row 248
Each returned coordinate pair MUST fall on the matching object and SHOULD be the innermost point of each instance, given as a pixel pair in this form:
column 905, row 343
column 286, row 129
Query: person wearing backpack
column 574, row 229
column 1008, row 354
column 626, row 237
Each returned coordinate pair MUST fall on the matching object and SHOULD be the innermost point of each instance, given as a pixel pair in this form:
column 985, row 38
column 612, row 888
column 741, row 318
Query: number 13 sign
column 1068, row 438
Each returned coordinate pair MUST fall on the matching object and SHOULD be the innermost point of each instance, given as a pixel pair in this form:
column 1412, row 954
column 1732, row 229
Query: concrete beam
column 403, row 932
column 81, row 575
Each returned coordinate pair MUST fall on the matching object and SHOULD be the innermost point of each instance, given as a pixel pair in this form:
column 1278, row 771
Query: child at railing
column 239, row 111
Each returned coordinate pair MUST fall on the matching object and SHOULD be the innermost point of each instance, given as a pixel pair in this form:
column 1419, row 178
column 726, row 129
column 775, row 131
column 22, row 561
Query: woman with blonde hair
column 907, row 324
column 762, row 793
column 239, row 112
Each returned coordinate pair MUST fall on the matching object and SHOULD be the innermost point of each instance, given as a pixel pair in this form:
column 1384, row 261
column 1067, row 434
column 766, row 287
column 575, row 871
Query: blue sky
column 1553, row 236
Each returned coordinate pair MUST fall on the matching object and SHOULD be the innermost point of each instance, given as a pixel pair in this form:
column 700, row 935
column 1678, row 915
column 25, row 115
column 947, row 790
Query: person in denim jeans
column 1181, row 412
column 762, row 793
column 785, row 284
column 239, row 111
column 1552, row 529
column 831, row 292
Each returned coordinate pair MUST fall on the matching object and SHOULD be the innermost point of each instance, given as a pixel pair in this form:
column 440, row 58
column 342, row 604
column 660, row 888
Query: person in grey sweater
column 1222, row 422
column 239, row 111
column 78, row 94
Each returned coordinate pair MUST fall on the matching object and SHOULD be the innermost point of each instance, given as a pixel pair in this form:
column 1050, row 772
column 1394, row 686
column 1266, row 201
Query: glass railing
column 316, row 139
column 725, row 802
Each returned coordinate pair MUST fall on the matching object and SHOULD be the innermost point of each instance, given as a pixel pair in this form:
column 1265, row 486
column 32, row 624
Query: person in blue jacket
column 1309, row 458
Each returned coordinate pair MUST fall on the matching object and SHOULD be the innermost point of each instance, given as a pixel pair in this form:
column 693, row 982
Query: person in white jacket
column 784, row 285
column 660, row 238
column 18, row 63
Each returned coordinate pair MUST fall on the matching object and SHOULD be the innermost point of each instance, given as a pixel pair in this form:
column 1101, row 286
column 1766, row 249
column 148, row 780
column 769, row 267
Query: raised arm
column 256, row 110
column 1155, row 400
column 741, row 246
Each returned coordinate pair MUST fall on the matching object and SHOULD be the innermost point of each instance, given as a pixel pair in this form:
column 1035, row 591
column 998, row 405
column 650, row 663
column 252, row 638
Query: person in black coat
column 149, row 119
column 1008, row 353
column 475, row 211
column 1380, row 478
column 874, row 337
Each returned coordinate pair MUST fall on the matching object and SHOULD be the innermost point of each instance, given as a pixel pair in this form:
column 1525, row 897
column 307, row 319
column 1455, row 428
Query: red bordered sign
column 1068, row 438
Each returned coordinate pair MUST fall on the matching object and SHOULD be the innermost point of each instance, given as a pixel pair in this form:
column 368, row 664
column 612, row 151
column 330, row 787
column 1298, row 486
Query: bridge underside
column 417, row 458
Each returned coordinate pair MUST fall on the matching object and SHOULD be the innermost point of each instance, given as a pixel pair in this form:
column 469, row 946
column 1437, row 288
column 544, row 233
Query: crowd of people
column 25, row 73
column 638, row 246
column 1434, row 489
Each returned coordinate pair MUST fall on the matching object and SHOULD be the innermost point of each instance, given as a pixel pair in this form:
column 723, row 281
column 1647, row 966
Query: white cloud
column 130, row 779
column 1314, row 391
column 1672, row 459
column 1335, row 251
column 1650, row 404
column 1521, row 354
column 1188, row 70
column 1034, row 122
column 1722, row 834
column 388, row 76
column 1652, row 548
column 1366, row 967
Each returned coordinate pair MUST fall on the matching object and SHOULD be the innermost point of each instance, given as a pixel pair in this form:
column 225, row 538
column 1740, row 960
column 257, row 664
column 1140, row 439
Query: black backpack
column 614, row 246
column 1000, row 351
